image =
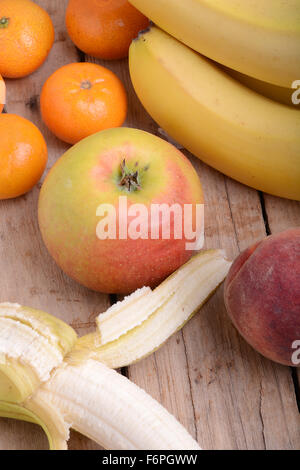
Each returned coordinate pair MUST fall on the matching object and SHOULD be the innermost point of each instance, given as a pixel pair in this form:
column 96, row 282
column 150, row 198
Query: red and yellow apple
column 262, row 296
column 97, row 171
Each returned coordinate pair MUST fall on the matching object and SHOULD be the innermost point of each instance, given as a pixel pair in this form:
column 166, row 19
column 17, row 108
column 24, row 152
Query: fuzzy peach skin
column 262, row 295
column 88, row 175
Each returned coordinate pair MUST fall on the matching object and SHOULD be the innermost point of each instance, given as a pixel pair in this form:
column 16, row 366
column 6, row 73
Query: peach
column 262, row 295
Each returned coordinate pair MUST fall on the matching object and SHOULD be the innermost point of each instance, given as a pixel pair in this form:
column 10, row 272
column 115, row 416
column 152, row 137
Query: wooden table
column 222, row 391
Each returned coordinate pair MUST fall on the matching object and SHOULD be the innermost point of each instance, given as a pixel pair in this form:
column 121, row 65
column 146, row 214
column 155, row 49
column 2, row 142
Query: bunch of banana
column 50, row 378
column 260, row 38
column 239, row 132
column 287, row 96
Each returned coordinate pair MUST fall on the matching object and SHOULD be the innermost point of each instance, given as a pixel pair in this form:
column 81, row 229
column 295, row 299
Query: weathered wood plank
column 223, row 392
column 283, row 214
column 18, row 435
column 233, row 221
column 163, row 375
column 30, row 276
column 229, row 380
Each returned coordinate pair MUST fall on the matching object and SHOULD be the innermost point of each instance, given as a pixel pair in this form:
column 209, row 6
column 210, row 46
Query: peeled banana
column 258, row 38
column 136, row 308
column 79, row 393
column 177, row 299
column 230, row 127
column 49, row 378
column 109, row 409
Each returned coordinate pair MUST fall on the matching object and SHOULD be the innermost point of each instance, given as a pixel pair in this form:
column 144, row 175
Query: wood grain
column 282, row 214
column 223, row 392
column 30, row 275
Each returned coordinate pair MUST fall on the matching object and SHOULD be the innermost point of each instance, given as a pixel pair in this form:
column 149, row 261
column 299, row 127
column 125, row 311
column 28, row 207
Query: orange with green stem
column 26, row 37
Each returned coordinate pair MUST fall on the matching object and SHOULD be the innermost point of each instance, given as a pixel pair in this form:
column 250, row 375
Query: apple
column 98, row 210
column 262, row 296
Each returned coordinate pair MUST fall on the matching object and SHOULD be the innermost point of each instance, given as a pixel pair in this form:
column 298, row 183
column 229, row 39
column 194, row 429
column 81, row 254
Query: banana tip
column 144, row 31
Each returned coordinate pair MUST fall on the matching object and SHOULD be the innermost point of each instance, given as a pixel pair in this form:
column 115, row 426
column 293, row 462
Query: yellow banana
column 230, row 127
column 255, row 37
column 274, row 92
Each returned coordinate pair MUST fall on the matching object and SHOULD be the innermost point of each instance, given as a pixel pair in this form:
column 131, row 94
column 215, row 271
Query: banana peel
column 47, row 417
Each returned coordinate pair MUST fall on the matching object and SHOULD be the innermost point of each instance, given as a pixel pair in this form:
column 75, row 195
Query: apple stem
column 129, row 179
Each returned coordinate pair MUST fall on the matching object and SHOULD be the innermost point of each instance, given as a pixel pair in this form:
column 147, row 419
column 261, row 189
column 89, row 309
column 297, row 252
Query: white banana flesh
column 22, row 343
column 111, row 410
column 258, row 38
column 124, row 315
column 32, row 344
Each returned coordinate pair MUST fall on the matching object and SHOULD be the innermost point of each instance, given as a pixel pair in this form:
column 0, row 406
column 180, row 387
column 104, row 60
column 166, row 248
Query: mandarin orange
column 26, row 37
column 81, row 99
column 23, row 155
column 104, row 28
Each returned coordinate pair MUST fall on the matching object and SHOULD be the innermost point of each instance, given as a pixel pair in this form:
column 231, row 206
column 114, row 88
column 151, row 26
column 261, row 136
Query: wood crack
column 190, row 385
column 261, row 416
column 113, row 298
column 231, row 213
column 296, row 386
column 264, row 212
column 158, row 378
column 81, row 55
